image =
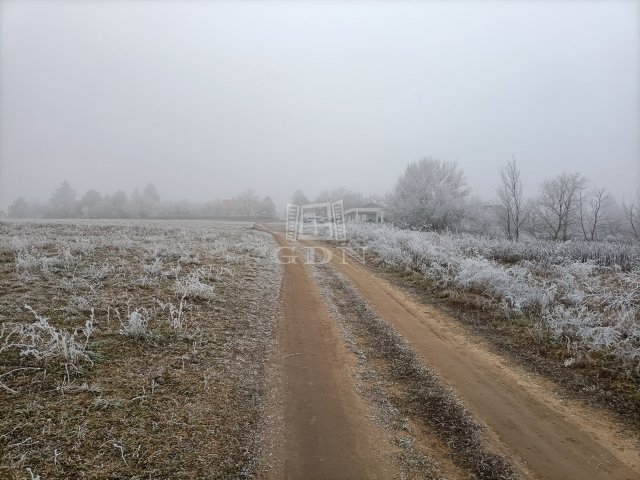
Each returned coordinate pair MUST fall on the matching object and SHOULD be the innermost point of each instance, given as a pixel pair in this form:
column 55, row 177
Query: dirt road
column 325, row 427
column 546, row 437
column 326, row 431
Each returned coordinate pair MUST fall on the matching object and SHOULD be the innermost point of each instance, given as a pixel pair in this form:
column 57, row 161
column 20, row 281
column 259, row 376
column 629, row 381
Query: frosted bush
column 176, row 318
column 626, row 256
column 26, row 262
column 34, row 261
column 189, row 259
column 252, row 243
column 172, row 272
column 514, row 286
column 136, row 323
column 98, row 273
column 154, row 268
column 81, row 246
column 192, row 287
column 579, row 290
column 44, row 342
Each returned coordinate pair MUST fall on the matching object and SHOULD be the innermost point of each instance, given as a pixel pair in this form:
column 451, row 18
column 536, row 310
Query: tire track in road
column 326, row 431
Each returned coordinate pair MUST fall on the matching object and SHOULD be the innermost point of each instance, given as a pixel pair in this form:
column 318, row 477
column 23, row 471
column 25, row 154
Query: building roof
column 365, row 209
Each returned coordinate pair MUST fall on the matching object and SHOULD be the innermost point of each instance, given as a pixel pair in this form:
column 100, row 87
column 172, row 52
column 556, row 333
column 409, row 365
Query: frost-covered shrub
column 623, row 255
column 136, row 323
column 192, row 287
column 253, row 243
column 189, row 259
column 44, row 342
column 98, row 272
column 513, row 286
column 172, row 272
column 36, row 261
column 587, row 293
column 79, row 302
column 176, row 317
column 154, row 268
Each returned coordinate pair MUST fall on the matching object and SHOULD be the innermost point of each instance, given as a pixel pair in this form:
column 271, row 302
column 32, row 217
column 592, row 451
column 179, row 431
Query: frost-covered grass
column 586, row 294
column 141, row 351
column 44, row 343
column 192, row 286
column 135, row 323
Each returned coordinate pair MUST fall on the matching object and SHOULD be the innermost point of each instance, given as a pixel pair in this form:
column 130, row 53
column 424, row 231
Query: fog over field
column 319, row 239
column 206, row 99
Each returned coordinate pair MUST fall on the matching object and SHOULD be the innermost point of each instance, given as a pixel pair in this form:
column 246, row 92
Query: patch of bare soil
column 170, row 380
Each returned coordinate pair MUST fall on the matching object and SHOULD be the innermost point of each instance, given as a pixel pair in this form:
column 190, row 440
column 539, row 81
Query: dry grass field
column 133, row 350
column 203, row 349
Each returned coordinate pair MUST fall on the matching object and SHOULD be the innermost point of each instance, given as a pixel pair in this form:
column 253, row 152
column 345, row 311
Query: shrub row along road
column 326, row 431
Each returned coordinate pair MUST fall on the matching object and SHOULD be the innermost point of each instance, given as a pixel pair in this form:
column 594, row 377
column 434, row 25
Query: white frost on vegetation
column 43, row 342
column 135, row 323
column 586, row 293
column 192, row 287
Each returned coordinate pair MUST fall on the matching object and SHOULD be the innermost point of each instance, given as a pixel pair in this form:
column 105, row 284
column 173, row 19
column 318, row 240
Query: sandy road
column 547, row 438
column 325, row 427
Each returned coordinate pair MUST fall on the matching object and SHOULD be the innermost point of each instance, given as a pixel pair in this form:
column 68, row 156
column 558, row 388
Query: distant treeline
column 65, row 203
column 431, row 194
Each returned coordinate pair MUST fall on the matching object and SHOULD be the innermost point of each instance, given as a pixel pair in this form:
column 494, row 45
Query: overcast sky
column 205, row 99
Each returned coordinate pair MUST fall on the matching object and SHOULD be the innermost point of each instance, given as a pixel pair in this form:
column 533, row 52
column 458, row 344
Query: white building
column 370, row 212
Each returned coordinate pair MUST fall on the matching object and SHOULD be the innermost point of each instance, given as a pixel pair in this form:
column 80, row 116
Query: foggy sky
column 205, row 99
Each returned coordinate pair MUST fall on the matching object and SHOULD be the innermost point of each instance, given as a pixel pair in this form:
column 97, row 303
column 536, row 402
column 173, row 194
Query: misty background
column 207, row 99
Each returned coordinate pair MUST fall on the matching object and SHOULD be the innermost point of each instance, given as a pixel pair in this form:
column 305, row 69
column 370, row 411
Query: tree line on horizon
column 65, row 203
column 433, row 194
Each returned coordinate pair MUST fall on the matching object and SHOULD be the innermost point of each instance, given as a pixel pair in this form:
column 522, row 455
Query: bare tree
column 246, row 202
column 557, row 206
column 632, row 214
column 510, row 193
column 430, row 194
column 592, row 211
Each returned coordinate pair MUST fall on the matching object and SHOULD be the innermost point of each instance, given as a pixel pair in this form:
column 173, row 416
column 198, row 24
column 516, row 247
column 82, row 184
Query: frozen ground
column 133, row 349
